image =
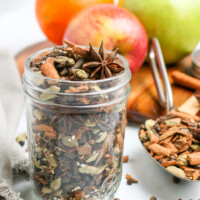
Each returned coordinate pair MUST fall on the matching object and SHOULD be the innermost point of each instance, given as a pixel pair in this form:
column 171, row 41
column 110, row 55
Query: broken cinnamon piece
column 172, row 148
column 48, row 69
column 168, row 163
column 79, row 195
column 84, row 150
column 38, row 59
column 153, row 198
column 153, row 137
column 185, row 80
column 152, row 153
column 41, row 180
column 176, row 137
column 70, row 44
column 43, row 127
column 80, row 89
column 169, row 133
column 180, row 143
column 125, row 159
column 194, row 158
column 157, row 157
column 159, row 150
column 184, row 153
column 83, row 52
column 50, row 134
column 189, row 171
column 142, row 133
column 166, row 141
column 184, row 115
column 195, row 175
column 129, row 177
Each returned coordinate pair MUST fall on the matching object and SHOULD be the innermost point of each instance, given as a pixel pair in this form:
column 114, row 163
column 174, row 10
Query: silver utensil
column 165, row 97
column 196, row 62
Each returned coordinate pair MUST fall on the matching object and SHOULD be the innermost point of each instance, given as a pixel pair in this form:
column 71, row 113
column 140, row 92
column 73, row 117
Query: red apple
column 116, row 26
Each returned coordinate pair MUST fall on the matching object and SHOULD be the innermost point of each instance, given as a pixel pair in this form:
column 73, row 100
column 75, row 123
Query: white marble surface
column 19, row 28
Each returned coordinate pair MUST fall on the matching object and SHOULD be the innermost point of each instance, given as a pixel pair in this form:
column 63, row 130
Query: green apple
column 176, row 23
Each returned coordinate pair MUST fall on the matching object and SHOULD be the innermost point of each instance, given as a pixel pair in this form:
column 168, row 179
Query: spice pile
column 76, row 154
column 77, row 63
column 174, row 141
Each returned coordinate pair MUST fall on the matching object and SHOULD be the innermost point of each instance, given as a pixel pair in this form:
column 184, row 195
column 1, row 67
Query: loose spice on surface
column 178, row 145
column 130, row 179
column 125, row 159
column 76, row 155
column 153, row 198
column 21, row 139
column 176, row 180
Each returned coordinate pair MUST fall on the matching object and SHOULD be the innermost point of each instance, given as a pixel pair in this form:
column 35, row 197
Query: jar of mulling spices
column 76, row 113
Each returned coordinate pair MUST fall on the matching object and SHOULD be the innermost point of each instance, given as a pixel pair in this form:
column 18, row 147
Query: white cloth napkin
column 11, row 105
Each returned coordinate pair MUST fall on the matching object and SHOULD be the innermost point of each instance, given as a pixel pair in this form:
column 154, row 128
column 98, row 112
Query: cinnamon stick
column 184, row 115
column 185, row 80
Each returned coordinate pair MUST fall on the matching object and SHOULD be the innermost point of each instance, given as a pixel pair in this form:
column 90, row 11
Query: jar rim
column 29, row 70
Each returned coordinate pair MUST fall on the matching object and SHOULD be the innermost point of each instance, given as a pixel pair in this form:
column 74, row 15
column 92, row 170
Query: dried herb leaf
column 86, row 169
column 63, row 60
column 50, row 158
column 36, row 163
column 55, row 184
column 38, row 114
column 81, row 74
column 47, row 96
column 88, row 123
column 37, row 80
column 173, row 122
column 95, row 130
column 92, row 158
column 46, row 190
column 69, row 141
column 58, row 193
column 53, row 88
column 102, row 137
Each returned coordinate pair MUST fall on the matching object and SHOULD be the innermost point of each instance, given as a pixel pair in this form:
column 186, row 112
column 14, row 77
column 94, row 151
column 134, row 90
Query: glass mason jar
column 75, row 137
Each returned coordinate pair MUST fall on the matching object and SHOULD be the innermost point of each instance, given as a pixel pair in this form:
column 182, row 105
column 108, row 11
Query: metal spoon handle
column 157, row 62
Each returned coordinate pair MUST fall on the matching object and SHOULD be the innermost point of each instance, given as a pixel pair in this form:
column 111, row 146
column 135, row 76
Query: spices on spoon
column 178, row 146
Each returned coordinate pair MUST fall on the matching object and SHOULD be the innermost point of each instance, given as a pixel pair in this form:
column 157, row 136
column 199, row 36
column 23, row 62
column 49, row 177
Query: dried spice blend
column 76, row 113
column 174, row 142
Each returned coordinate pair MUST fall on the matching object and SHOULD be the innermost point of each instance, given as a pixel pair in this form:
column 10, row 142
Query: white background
column 19, row 28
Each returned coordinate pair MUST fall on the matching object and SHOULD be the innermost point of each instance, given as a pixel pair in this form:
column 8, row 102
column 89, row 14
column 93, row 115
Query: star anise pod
column 102, row 64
